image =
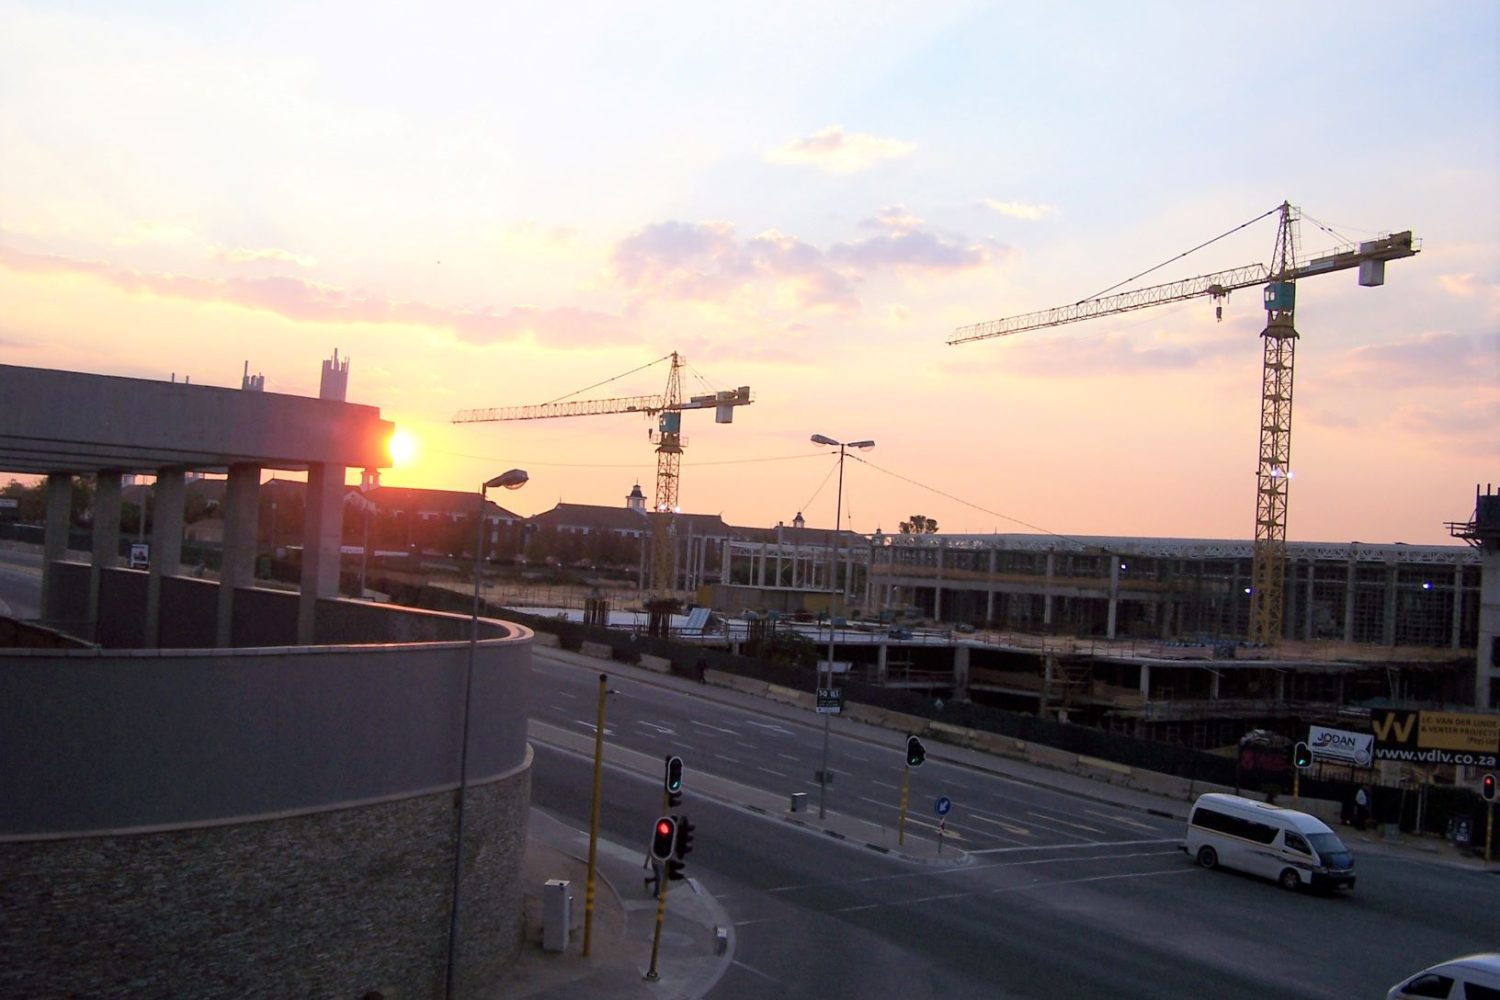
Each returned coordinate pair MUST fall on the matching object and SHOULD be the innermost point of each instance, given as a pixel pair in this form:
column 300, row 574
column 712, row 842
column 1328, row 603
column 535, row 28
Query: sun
column 402, row 446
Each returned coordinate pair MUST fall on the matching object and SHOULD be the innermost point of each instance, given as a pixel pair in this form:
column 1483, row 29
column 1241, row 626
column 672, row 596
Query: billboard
column 1340, row 746
column 1422, row 737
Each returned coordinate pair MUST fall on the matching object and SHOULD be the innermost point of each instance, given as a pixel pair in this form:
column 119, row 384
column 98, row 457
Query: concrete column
column 882, row 662
column 1487, row 664
column 237, row 561
column 321, row 535
column 937, row 587
column 1458, row 608
column 1307, row 600
column 1388, row 619
column 1289, row 624
column 1047, row 589
column 961, row 672
column 1145, row 682
column 1280, row 685
column 1213, row 685
column 55, row 539
column 106, row 539
column 1350, row 576
column 168, row 496
column 1049, row 671
column 989, row 590
column 1114, row 596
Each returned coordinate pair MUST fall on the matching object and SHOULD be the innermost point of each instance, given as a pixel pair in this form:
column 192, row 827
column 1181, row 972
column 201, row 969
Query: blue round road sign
column 942, row 805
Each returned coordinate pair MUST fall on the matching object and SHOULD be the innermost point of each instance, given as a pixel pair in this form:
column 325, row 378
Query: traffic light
column 683, row 846
column 672, row 782
column 1301, row 755
column 915, row 752
column 1487, row 787
column 663, row 836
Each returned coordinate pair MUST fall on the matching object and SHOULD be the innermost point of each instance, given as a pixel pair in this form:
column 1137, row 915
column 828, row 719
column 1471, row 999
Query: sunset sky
column 500, row 204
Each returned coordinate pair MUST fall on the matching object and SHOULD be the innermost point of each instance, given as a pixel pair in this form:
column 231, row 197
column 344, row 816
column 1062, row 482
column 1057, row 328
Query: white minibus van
column 1291, row 847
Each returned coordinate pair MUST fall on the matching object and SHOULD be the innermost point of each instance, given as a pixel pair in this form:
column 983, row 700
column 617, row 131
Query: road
column 20, row 584
column 1058, row 895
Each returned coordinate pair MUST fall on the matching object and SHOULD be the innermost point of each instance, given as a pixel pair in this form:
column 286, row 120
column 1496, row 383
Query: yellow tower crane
column 1279, row 341
column 667, row 408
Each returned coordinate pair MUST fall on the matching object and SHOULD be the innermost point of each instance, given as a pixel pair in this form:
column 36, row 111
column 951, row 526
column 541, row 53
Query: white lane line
column 1064, row 822
column 1073, row 847
column 1019, row 831
column 747, row 746
column 732, row 760
column 664, row 730
column 1123, row 820
column 593, row 728
column 717, row 729
column 1046, row 886
column 771, row 728
column 885, row 784
column 788, row 756
column 778, row 774
column 566, row 694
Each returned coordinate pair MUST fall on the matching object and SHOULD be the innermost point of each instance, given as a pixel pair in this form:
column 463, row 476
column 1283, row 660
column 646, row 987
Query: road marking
column 1065, row 822
column 1123, row 820
column 1019, row 831
column 593, row 728
column 1047, row 886
column 567, row 694
column 885, row 784
column 770, row 727
column 664, row 730
column 747, row 746
column 949, row 833
column 732, row 760
column 1073, row 847
column 788, row 756
column 778, row 774
column 716, row 729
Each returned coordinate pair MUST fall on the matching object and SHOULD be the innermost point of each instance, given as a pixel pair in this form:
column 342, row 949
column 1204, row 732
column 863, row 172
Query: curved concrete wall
column 269, row 821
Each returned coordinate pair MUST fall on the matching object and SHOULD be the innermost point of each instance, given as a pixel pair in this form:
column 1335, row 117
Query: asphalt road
column 20, row 584
column 1058, row 896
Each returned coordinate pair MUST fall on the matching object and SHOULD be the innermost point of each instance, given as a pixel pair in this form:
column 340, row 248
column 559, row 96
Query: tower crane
column 1279, row 341
column 667, row 408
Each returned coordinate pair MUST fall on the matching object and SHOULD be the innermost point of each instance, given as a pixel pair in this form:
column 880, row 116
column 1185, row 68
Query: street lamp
column 511, row 480
column 833, row 600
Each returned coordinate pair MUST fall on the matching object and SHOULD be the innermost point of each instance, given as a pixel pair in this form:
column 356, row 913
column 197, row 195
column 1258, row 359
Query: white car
column 1473, row 977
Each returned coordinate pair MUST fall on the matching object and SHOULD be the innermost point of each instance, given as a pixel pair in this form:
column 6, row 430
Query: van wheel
column 1208, row 857
column 1291, row 880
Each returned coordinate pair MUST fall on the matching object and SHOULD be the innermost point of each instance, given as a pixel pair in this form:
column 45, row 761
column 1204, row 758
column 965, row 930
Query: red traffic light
column 1487, row 787
column 663, row 837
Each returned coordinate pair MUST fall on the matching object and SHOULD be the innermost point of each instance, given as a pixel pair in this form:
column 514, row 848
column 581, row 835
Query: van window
column 1332, row 850
column 1296, row 843
column 1473, row 991
column 1429, row 985
column 1234, row 826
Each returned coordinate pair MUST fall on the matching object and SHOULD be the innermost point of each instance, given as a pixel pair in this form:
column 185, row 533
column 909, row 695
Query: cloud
column 905, row 243
column 838, row 152
column 707, row 261
column 241, row 255
column 309, row 302
column 1427, row 359
column 1018, row 209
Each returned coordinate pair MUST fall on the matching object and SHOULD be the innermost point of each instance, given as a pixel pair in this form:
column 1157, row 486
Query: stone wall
column 335, row 903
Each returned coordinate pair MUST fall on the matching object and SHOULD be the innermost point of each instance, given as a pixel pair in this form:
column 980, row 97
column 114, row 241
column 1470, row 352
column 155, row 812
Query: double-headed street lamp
column 838, row 514
column 512, row 480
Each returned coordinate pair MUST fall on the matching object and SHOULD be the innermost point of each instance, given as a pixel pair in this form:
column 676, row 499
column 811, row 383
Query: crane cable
column 1184, row 253
column 616, row 378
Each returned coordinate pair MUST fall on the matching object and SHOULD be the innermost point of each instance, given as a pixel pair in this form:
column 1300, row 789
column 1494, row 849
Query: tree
column 920, row 524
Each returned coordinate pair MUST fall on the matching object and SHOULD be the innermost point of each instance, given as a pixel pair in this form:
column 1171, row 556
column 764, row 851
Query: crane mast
column 667, row 408
column 1279, row 345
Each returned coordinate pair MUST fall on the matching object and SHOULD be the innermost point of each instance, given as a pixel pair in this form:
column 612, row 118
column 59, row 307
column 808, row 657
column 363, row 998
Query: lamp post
column 365, row 488
column 511, row 480
column 833, row 600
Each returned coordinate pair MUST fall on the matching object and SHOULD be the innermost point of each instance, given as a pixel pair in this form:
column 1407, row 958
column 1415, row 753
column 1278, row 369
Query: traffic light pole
column 661, row 916
column 588, row 897
column 1489, row 832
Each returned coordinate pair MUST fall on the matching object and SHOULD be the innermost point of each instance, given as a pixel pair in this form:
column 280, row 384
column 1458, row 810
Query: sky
column 501, row 204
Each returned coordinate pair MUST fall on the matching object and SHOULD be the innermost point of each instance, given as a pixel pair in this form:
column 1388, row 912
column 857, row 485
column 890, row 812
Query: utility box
column 557, row 915
column 799, row 802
